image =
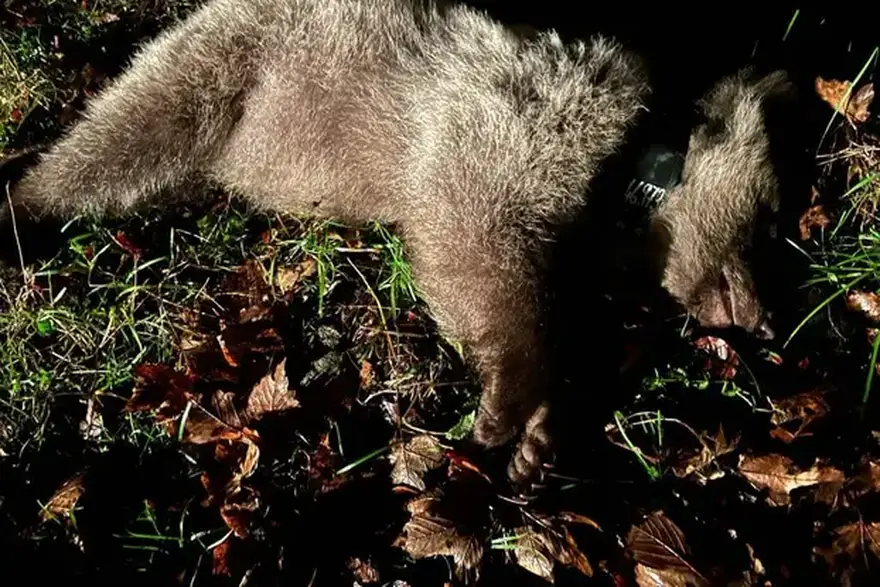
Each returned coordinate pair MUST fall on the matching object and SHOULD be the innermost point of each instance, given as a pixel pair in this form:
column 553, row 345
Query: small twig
column 24, row 272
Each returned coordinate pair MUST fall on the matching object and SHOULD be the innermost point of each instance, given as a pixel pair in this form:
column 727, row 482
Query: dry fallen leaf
column 571, row 555
column 867, row 480
column 538, row 547
column 220, row 557
column 271, row 395
column 865, row 302
column 363, row 571
column 535, row 552
column 793, row 415
column 840, row 494
column 128, row 246
column 238, row 515
column 368, row 375
column 711, row 448
column 287, row 278
column 778, row 474
column 249, row 338
column 856, row 107
column 755, row 571
column 202, row 427
column 233, row 462
column 226, row 420
column 413, row 459
column 650, row 577
column 247, row 287
column 430, row 532
column 850, row 541
column 65, row 498
column 813, row 217
column 160, row 388
column 660, row 548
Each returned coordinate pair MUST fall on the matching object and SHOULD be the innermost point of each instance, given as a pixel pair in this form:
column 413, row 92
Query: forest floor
column 222, row 396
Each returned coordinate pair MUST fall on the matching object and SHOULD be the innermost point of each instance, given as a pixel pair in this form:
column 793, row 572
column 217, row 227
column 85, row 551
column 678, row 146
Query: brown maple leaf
column 270, row 395
column 438, row 526
column 65, row 498
column 234, row 461
column 779, row 475
column 854, row 107
column 413, row 459
column 793, row 415
column 867, row 303
column 289, row 278
column 711, row 448
column 161, row 388
column 813, row 217
column 867, row 480
column 202, row 427
column 850, row 541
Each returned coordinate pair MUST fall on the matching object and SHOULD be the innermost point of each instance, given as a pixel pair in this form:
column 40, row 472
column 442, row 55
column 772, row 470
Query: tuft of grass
column 24, row 83
column 399, row 280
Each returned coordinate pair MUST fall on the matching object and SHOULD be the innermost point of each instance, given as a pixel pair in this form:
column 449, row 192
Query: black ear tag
column 657, row 172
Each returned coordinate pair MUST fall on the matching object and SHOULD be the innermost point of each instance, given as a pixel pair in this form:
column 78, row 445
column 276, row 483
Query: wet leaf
column 866, row 303
column 64, row 499
column 813, row 217
column 779, row 475
column 413, row 459
column 436, row 528
column 856, row 107
column 660, row 548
